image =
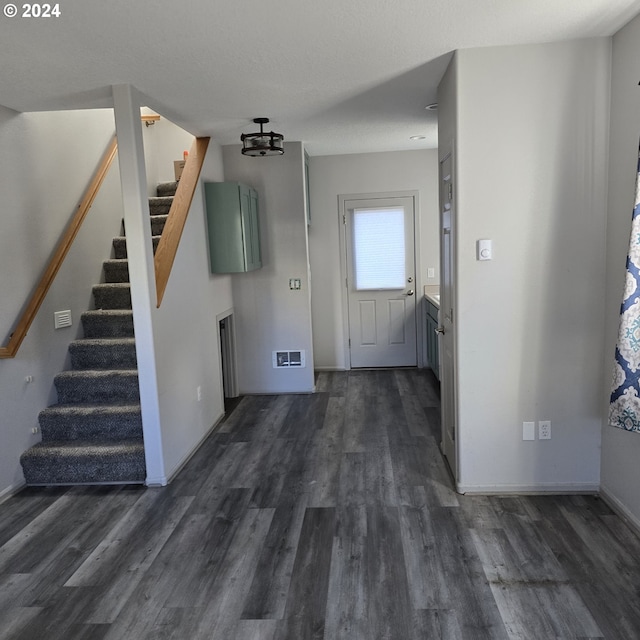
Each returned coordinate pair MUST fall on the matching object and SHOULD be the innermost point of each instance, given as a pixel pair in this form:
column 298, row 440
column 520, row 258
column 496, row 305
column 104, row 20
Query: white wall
column 164, row 143
column 46, row 162
column 531, row 147
column 331, row 176
column 268, row 315
column 621, row 450
column 185, row 330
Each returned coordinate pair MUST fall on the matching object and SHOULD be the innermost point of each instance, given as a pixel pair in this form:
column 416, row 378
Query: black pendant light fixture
column 264, row 143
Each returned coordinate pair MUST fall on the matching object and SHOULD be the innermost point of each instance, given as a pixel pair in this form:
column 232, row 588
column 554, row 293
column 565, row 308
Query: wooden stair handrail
column 165, row 253
column 38, row 296
column 170, row 239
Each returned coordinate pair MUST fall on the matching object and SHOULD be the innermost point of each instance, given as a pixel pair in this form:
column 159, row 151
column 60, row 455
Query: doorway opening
column 226, row 336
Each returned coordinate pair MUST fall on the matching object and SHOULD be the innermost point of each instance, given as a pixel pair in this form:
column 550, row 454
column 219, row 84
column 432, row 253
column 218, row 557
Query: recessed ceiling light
column 417, row 137
column 432, row 107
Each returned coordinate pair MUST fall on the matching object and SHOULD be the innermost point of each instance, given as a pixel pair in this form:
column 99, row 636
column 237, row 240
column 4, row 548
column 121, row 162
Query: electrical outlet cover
column 544, row 429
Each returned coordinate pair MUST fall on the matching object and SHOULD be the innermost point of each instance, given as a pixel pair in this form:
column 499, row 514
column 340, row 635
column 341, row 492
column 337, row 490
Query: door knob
column 439, row 331
column 410, row 292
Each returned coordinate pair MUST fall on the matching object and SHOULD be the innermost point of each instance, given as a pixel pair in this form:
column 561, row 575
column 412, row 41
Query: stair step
column 95, row 386
column 108, row 323
column 103, row 353
column 90, row 422
column 160, row 205
column 157, row 224
column 167, row 189
column 112, row 295
column 120, row 246
column 158, row 220
column 116, row 270
column 84, row 462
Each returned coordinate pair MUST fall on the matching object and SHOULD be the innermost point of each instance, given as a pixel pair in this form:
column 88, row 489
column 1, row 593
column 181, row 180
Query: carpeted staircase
column 94, row 434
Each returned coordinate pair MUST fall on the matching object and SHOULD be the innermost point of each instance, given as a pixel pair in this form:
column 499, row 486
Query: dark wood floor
column 316, row 516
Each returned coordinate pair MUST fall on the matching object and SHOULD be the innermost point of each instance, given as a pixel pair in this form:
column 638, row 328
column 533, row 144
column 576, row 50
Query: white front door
column 379, row 241
column 447, row 326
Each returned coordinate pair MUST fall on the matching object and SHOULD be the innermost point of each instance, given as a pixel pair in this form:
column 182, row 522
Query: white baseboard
column 530, row 489
column 187, row 457
column 11, row 490
column 271, row 392
column 160, row 481
column 330, row 369
column 621, row 510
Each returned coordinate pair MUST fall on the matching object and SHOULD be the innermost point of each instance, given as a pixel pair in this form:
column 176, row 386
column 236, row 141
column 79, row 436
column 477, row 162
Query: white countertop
column 432, row 294
column 433, row 298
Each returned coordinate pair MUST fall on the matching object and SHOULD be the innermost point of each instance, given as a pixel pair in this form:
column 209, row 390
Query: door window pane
column 378, row 248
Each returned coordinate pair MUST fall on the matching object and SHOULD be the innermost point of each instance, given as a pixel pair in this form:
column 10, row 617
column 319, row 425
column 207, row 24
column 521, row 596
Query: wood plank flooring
column 328, row 516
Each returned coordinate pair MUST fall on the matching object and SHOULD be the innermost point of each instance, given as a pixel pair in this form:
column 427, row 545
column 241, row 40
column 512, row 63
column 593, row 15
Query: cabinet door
column 226, row 243
column 250, row 228
column 432, row 346
column 245, row 212
column 233, row 227
column 254, row 259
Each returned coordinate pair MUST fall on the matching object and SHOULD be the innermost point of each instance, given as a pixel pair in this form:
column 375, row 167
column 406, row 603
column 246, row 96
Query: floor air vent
column 288, row 359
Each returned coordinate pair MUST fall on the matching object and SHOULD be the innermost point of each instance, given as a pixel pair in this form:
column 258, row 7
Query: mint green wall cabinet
column 233, row 227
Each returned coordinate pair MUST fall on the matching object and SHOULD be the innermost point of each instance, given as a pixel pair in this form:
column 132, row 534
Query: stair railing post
column 141, row 270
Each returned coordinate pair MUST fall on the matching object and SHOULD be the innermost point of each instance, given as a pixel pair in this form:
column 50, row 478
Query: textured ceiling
column 344, row 76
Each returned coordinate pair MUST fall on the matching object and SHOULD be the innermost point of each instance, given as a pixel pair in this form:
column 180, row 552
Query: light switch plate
column 528, row 430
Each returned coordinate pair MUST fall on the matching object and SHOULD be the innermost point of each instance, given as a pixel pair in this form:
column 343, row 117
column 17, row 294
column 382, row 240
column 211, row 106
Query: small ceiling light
column 417, row 137
column 262, row 143
column 432, row 107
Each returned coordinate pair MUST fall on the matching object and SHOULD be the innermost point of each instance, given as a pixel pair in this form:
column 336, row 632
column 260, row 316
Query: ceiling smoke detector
column 263, row 143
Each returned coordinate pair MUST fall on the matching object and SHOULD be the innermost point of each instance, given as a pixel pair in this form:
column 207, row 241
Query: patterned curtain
column 624, row 407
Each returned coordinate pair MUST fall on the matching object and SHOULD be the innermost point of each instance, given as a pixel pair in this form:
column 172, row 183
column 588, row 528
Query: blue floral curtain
column 624, row 407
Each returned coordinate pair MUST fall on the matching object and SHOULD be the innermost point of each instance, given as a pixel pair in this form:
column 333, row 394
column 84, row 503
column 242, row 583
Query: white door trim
column 448, row 154
column 419, row 288
column 231, row 373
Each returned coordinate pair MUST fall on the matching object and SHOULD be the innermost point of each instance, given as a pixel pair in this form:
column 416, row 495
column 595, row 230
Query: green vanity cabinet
column 233, row 227
column 432, row 337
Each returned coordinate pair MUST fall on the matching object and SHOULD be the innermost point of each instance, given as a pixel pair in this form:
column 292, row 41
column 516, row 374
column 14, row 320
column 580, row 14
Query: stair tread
column 85, row 462
column 160, row 205
column 114, row 285
column 102, row 341
column 87, row 446
column 96, row 373
column 93, row 407
column 124, row 238
column 167, row 188
column 108, row 323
